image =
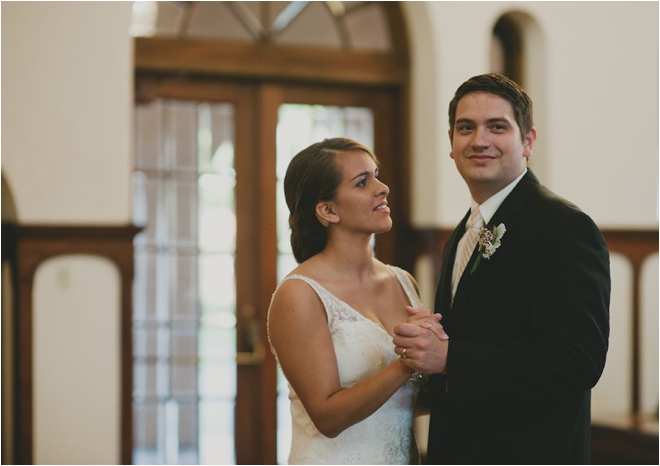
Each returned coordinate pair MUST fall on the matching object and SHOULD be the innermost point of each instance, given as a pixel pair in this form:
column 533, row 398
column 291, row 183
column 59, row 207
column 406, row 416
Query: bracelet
column 418, row 377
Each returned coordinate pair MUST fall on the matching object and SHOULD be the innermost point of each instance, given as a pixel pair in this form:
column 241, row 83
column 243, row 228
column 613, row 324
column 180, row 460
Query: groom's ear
column 451, row 142
column 528, row 142
column 326, row 213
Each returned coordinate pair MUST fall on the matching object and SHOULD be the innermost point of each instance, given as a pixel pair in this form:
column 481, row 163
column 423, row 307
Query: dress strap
column 407, row 286
column 325, row 295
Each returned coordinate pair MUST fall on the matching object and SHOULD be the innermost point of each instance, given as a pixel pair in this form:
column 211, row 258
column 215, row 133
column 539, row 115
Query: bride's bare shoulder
column 295, row 290
column 295, row 303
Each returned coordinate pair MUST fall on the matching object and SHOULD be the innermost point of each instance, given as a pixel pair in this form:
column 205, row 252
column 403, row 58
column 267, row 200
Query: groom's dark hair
column 501, row 86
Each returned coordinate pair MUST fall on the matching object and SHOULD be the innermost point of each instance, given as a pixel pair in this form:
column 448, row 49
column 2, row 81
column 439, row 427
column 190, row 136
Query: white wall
column 592, row 71
column 67, row 119
column 66, row 105
column 67, row 108
column 600, row 114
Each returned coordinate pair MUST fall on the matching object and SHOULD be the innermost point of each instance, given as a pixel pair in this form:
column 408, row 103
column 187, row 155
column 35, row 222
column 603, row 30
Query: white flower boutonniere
column 489, row 241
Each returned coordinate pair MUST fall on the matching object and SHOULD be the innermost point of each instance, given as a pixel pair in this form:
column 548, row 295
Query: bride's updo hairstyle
column 313, row 177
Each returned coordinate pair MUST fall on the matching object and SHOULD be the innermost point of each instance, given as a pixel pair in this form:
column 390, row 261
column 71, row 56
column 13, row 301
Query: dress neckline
column 360, row 315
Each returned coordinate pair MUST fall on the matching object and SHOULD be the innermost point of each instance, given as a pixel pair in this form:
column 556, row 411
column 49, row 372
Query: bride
column 331, row 319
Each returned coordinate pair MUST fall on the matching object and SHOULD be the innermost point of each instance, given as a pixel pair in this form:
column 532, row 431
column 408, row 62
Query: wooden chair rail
column 26, row 247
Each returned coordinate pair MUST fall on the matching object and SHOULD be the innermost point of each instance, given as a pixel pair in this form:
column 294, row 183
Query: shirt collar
column 490, row 205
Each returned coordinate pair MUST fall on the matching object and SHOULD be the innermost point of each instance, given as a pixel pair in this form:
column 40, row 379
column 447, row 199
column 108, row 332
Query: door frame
column 263, row 78
column 256, row 113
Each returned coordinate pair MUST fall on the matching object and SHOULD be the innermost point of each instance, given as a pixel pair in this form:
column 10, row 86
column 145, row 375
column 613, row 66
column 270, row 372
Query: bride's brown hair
column 312, row 177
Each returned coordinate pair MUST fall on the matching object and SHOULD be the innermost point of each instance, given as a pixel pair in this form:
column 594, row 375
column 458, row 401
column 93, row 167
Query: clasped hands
column 424, row 340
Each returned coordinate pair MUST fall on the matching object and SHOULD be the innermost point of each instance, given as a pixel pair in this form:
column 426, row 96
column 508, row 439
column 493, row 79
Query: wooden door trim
column 270, row 97
column 260, row 61
column 255, row 430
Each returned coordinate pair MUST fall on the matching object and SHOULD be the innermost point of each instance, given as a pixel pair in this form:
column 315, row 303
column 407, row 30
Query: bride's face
column 361, row 199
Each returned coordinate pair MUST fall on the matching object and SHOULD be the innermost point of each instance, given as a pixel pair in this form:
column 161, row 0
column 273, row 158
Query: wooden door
column 256, row 107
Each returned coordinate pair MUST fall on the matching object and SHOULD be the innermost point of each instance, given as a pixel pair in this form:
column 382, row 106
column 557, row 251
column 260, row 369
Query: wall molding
column 27, row 247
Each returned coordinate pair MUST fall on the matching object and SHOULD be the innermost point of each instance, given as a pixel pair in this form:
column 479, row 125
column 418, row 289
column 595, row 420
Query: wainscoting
column 610, row 445
column 24, row 249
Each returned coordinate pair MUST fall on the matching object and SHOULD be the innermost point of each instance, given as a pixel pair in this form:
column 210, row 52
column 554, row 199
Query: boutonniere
column 489, row 240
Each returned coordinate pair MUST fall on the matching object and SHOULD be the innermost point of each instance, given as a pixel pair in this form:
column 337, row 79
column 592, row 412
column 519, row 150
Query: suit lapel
column 509, row 208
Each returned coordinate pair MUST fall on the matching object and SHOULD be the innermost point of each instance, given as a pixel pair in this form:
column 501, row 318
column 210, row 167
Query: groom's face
column 487, row 145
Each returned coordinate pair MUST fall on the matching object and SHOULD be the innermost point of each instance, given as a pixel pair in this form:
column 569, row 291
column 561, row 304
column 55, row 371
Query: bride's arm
column 299, row 333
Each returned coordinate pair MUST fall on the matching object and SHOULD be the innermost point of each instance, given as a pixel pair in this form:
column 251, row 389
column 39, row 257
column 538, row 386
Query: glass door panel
column 208, row 157
column 217, row 290
column 185, row 287
column 298, row 127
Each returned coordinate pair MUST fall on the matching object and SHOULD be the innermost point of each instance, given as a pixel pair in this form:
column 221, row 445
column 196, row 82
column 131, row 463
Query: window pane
column 183, row 282
column 185, row 291
column 216, row 437
column 181, row 142
column 148, row 125
column 217, row 285
column 145, row 429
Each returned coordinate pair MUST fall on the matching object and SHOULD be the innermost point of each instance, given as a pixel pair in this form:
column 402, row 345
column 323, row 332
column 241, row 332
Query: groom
column 524, row 292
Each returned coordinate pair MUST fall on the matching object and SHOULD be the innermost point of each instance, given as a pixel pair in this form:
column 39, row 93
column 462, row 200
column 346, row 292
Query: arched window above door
column 339, row 25
column 346, row 42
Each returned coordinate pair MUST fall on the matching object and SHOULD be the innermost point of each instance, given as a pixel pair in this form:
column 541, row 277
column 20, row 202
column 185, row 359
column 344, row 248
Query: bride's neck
column 348, row 258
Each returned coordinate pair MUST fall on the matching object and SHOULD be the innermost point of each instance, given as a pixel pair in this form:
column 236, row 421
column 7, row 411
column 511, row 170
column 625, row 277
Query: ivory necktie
column 472, row 227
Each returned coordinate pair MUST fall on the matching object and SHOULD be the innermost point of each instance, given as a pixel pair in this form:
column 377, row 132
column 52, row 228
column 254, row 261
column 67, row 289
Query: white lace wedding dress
column 362, row 348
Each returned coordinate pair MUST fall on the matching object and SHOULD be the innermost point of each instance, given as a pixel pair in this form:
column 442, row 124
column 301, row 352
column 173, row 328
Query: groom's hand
column 427, row 320
column 424, row 352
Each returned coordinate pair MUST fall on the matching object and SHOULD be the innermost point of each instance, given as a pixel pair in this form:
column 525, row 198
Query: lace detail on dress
column 385, row 437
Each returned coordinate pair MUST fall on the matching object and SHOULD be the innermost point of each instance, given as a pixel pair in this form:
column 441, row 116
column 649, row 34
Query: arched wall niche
column 506, row 49
column 9, row 220
column 9, row 214
column 518, row 50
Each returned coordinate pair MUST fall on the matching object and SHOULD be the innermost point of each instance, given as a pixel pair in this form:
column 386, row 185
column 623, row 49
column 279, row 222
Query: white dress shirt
column 487, row 209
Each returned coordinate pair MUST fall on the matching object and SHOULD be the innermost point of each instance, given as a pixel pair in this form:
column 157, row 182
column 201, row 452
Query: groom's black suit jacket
column 528, row 337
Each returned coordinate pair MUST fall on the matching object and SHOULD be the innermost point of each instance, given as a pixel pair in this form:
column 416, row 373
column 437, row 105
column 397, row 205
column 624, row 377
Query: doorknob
column 254, row 343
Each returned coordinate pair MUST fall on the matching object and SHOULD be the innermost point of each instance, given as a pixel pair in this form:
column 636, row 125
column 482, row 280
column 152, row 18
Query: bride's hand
column 426, row 319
